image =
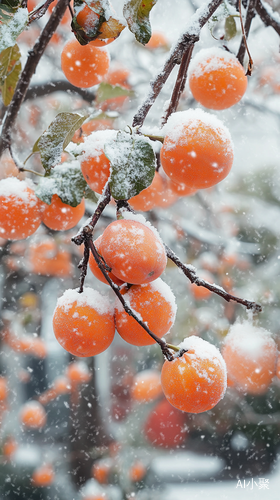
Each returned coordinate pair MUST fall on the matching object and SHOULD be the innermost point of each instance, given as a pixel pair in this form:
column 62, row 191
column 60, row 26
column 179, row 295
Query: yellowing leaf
column 10, row 68
column 110, row 29
column 136, row 13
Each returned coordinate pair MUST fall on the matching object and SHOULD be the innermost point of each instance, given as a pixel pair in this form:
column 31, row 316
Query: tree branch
column 188, row 39
column 33, row 59
column 190, row 272
column 268, row 17
column 250, row 14
column 87, row 231
column 180, row 83
column 58, row 86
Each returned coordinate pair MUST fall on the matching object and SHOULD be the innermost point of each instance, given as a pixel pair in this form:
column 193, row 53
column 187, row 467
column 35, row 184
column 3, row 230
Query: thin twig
column 250, row 62
column 87, row 231
column 180, row 83
column 165, row 350
column 39, row 11
column 188, row 39
column 58, row 86
column 190, row 272
column 250, row 14
column 33, row 59
column 265, row 16
column 83, row 265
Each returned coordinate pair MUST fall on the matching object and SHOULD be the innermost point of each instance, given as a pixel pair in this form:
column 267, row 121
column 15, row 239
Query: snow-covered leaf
column 11, row 28
column 67, row 181
column 132, row 163
column 56, row 138
column 10, row 68
column 136, row 13
column 106, row 91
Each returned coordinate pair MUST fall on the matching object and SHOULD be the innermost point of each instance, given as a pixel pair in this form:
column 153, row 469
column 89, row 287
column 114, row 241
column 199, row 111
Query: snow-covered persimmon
column 133, row 251
column 251, row 356
column 197, row 150
column 216, row 78
column 33, row 415
column 78, row 372
column 83, row 323
column 84, row 65
column 59, row 216
column 155, row 304
column 43, row 476
column 146, row 386
column 196, row 380
column 20, row 209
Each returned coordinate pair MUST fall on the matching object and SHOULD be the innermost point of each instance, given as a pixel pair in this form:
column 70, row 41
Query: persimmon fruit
column 217, row 79
column 155, row 303
column 95, row 269
column 43, row 476
column 83, row 323
column 197, row 150
column 20, row 209
column 133, row 251
column 84, row 65
column 33, row 415
column 251, row 356
column 146, row 386
column 195, row 381
column 165, row 426
column 60, row 217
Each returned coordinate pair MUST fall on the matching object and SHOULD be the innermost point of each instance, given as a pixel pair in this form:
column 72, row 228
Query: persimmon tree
column 107, row 153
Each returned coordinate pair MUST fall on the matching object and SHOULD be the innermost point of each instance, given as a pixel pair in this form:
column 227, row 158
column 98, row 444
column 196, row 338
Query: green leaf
column 132, row 164
column 106, row 91
column 67, row 181
column 91, row 195
column 10, row 68
column 11, row 29
column 136, row 13
column 56, row 138
column 230, row 28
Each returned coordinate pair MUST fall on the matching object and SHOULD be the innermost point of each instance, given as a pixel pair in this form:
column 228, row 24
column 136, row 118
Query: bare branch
column 87, row 231
column 250, row 63
column 188, row 39
column 180, row 84
column 58, row 86
column 266, row 14
column 250, row 14
column 33, row 59
column 190, row 272
column 39, row 11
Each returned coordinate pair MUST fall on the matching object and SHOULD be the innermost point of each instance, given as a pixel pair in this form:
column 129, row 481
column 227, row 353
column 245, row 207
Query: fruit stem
column 173, row 347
